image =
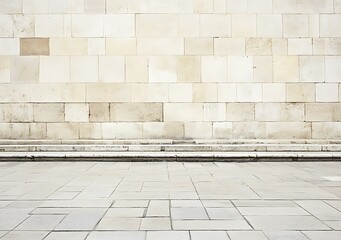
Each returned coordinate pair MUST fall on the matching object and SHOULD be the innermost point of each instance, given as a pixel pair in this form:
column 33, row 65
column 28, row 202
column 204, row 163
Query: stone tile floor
column 170, row 201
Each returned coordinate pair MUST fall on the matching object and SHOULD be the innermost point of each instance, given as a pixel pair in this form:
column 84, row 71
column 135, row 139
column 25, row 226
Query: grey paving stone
column 156, row 223
column 320, row 209
column 241, row 235
column 210, row 225
column 272, row 211
column 188, row 213
column 167, row 235
column 131, row 203
column 128, row 224
column 285, row 235
column 223, row 213
column 119, row 235
column 67, row 236
column 207, row 235
column 158, row 208
column 125, row 213
column 25, row 235
column 41, row 222
column 323, row 235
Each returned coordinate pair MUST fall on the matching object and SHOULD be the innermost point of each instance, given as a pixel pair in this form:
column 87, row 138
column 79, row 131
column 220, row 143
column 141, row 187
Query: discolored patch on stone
column 34, row 46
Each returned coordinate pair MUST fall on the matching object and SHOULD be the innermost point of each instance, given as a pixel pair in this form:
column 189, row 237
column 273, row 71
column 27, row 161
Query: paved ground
column 170, row 201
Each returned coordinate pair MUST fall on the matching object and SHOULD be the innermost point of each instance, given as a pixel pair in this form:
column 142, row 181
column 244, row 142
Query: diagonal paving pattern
column 170, row 201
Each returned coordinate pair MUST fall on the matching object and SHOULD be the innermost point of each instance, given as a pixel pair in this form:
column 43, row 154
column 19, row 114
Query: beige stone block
column 68, row 46
column 48, row 112
column 279, row 112
column 188, row 25
column 38, row 130
column 326, row 130
column 45, row 92
column 214, row 69
column 249, row 130
column 5, row 69
column 258, row 46
column 119, row 25
column 337, row 6
column 327, row 92
column 120, row 46
column 312, row 69
column 87, row 25
column 9, row 46
column 156, row 25
column 108, row 130
column 244, row 25
column 34, row 46
column 180, row 92
column 286, row 69
column 96, row 46
column 35, row 6
column 60, row 6
column 203, row 6
column 236, row 6
column 6, row 25
column 49, row 25
column 300, row 92
column 262, row 69
column 72, row 92
column 240, row 69
column 13, row 6
column 329, row 25
column 15, row 131
column 129, row 130
column 14, row 92
column 269, row 25
column 288, row 6
column 137, row 69
column 1, row 113
column 314, row 25
column 151, row 92
column 76, row 6
column 274, row 92
column 229, row 46
column 259, row 6
column 205, row 92
column 23, row 25
column 333, row 68
column 136, row 112
column 163, row 130
column 215, row 25
column 323, row 112
column 198, row 130
column 240, row 112
column 183, row 112
column 316, row 6
column 327, row 46
column 90, row 130
column 222, row 130
column 84, row 69
column 24, row 69
column 163, row 69
column 18, row 112
column 288, row 130
column 124, row 6
column 62, row 131
column 279, row 46
column 189, row 69
column 227, row 92
column 249, row 92
column 108, row 92
column 76, row 112
column 160, row 46
column 94, row 6
column 214, row 112
column 54, row 69
column 198, row 46
column 300, row 46
column 111, row 69
column 295, row 25
column 175, row 6
column 219, row 6
column 99, row 112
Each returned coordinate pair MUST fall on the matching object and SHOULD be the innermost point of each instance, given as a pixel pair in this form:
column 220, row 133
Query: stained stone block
column 99, row 112
column 323, row 112
column 136, row 112
column 258, row 46
column 24, row 25
column 240, row 112
column 90, row 131
column 18, row 112
column 48, row 112
column 326, row 130
column 34, row 46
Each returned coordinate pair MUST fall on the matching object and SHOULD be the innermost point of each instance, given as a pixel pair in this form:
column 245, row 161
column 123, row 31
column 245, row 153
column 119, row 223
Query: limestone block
column 9, row 46
column 90, row 130
column 227, row 92
column 99, row 112
column 94, row 6
column 136, row 112
column 49, row 25
column 280, row 112
column 327, row 46
column 249, row 92
column 288, row 130
column 48, row 112
column 189, row 69
column 13, row 6
column 273, row 92
column 323, row 112
column 329, row 25
column 87, row 25
column 160, row 46
column 279, row 46
column 311, row 69
column 124, row 6
column 188, row 25
column 14, row 92
column 111, row 69
column 54, row 69
column 23, row 25
column 198, row 46
column 129, row 130
column 60, row 6
column 163, row 130
column 240, row 69
column 156, row 25
column 333, row 68
column 62, row 131
column 236, row 6
column 288, row 6
column 137, row 69
column 269, row 25
column 326, row 130
column 180, row 92
column 119, row 25
column 96, row 46
column 249, row 130
column 18, row 112
column 151, row 92
column 76, row 112
column 5, row 69
column 327, row 92
column 34, row 46
column 244, row 25
column 295, row 25
column 68, row 46
column 24, row 69
column 239, row 112
column 84, row 69
column 314, row 25
column 205, row 92
column 315, row 6
column 175, row 6
column 300, row 46
column 108, row 130
column 214, row 112
column 337, row 6
column 76, row 6
column 1, row 113
column 108, row 92
column 219, row 6
column 300, row 92
column 286, row 69
column 203, row 6
column 263, row 69
column 183, row 112
column 73, row 92
column 229, row 46
column 222, row 130
column 198, row 130
column 35, row 6
column 215, row 25
column 120, row 46
column 163, row 69
column 259, row 46
column 6, row 25
column 214, row 69
column 15, row 130
column 259, row 6
column 38, row 130
column 45, row 92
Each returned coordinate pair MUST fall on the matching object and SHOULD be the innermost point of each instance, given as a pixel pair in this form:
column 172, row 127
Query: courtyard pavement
column 170, row 201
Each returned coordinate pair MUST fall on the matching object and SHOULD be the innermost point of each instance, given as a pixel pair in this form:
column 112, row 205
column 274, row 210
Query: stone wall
column 178, row 69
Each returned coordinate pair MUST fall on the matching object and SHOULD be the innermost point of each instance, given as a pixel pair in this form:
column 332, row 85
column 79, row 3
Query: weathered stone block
column 24, row 69
column 77, row 112
column 48, row 112
column 63, row 131
column 99, row 112
column 18, row 112
column 34, row 46
column 136, row 112
column 239, row 112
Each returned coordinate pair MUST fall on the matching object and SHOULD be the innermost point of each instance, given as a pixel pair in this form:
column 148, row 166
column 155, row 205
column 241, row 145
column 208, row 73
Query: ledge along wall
column 170, row 69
